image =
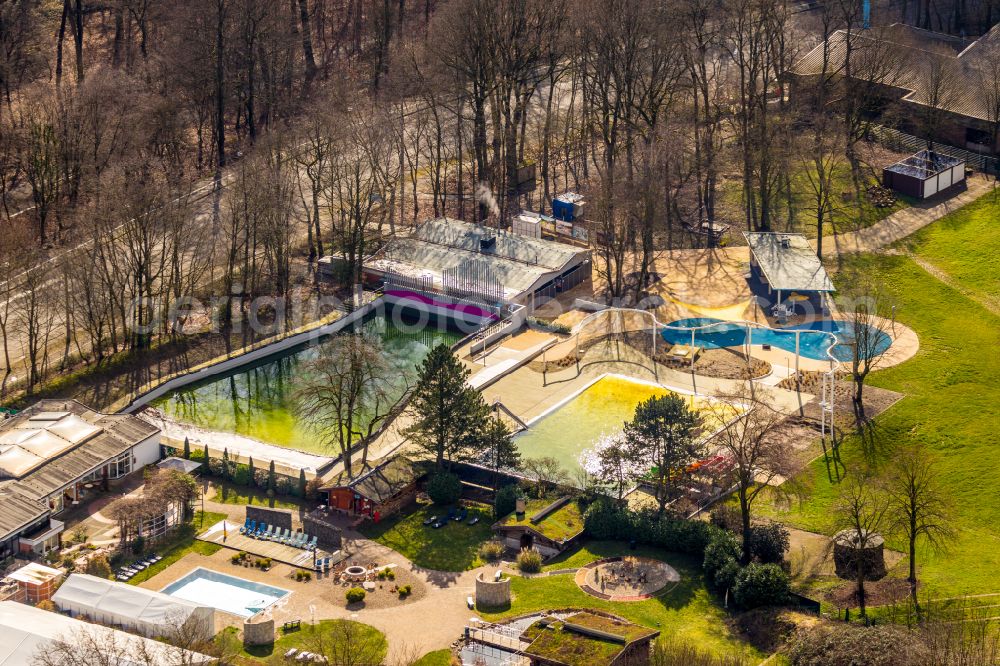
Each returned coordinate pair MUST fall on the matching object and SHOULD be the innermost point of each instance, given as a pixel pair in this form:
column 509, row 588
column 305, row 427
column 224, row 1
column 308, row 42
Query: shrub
column 79, row 534
column 491, row 550
column 265, row 563
column 68, row 562
column 529, row 560
column 728, row 517
column 241, row 477
column 768, row 543
column 355, row 595
column 236, row 558
column 312, row 488
column 260, row 477
column 283, row 486
column 47, row 605
column 99, row 566
column 606, row 521
column 444, row 488
column 846, row 645
column 216, row 467
column 302, row 575
column 405, row 590
column 505, row 501
column 721, row 562
column 138, row 544
column 761, row 585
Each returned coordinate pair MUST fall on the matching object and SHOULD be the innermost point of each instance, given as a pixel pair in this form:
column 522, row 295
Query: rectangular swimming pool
column 571, row 431
column 226, row 593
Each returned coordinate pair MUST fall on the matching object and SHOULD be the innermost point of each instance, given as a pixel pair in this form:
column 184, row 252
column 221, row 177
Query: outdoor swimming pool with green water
column 259, row 400
column 577, row 426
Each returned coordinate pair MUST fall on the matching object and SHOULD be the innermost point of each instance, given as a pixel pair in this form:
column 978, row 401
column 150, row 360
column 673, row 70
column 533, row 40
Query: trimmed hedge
column 444, row 488
column 605, row 521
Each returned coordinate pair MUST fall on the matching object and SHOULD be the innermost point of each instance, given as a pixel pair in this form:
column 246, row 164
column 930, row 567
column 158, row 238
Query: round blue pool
column 813, row 343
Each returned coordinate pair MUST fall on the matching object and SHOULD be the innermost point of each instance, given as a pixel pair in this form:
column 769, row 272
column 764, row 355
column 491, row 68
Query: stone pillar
column 492, row 593
column 258, row 631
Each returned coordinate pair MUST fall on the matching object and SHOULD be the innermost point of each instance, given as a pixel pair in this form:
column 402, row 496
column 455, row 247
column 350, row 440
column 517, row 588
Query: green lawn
column 688, row 611
column 182, row 544
column 966, row 246
column 952, row 393
column 436, row 658
column 844, row 217
column 361, row 641
column 229, row 494
column 454, row 547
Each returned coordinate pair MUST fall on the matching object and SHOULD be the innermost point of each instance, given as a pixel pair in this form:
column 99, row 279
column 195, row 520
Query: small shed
column 924, row 174
column 377, row 492
column 35, row 582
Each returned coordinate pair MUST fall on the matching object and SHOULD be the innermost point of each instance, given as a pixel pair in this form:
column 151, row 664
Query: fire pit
column 355, row 572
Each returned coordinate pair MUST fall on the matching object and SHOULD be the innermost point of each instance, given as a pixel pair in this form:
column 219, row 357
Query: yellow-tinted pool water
column 578, row 425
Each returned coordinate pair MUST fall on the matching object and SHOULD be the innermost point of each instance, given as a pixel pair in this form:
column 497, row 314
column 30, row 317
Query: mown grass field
column 952, row 395
column 687, row 611
column 453, row 547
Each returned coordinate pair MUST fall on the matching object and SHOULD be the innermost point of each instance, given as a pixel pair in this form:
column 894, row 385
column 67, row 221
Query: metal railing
column 904, row 142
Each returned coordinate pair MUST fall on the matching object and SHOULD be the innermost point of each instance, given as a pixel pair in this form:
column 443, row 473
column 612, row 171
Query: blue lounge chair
column 431, row 520
column 280, row 536
column 250, row 528
column 246, row 526
column 261, row 531
column 473, row 520
column 312, row 543
column 301, row 541
column 451, row 513
column 462, row 515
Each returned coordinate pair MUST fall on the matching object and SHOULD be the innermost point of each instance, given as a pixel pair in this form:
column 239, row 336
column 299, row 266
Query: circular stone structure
column 355, row 573
column 258, row 631
column 492, row 592
column 849, row 549
column 626, row 578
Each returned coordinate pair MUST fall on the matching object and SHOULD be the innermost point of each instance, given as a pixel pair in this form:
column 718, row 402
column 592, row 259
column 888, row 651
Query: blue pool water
column 813, row 343
column 226, row 593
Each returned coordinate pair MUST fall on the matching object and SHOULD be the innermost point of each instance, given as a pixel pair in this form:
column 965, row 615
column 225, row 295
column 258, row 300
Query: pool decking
column 279, row 552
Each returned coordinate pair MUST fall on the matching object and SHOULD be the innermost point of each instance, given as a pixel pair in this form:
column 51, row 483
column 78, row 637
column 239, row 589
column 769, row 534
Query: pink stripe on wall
column 463, row 308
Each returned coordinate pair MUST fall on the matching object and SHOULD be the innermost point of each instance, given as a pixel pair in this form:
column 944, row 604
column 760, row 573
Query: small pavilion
column 786, row 274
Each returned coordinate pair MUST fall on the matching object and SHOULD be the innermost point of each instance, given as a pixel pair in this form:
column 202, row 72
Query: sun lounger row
column 293, row 654
column 283, row 536
column 126, row 573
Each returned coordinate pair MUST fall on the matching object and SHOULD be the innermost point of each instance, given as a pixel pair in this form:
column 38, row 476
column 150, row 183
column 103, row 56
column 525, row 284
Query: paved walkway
column 902, row 223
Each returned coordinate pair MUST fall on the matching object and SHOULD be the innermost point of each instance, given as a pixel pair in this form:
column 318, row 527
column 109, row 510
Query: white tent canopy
column 144, row 611
column 27, row 630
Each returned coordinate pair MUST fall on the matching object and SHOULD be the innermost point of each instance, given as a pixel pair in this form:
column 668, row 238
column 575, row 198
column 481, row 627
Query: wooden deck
column 279, row 552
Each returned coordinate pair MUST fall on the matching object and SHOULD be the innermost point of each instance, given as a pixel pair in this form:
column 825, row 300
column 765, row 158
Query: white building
column 52, row 455
column 132, row 608
column 27, row 630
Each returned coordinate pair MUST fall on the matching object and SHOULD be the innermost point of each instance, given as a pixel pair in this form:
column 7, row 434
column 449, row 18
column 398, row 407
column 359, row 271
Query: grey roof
column 927, row 67
column 464, row 236
column 16, row 510
column 179, row 464
column 19, row 499
column 789, row 262
column 382, row 482
column 518, row 262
